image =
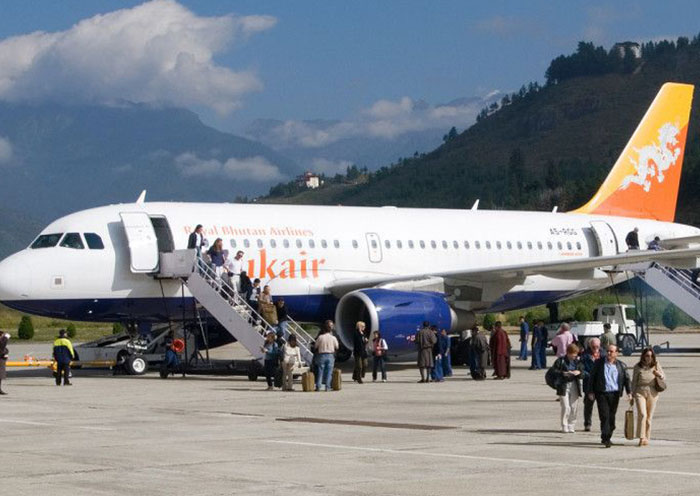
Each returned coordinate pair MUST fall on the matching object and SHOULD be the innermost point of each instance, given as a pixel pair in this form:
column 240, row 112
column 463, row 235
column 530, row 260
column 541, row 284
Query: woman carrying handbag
column 648, row 380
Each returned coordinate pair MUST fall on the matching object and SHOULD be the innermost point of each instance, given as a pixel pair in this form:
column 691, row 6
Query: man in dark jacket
column 425, row 340
column 608, row 381
column 632, row 239
column 588, row 359
column 63, row 354
column 359, row 351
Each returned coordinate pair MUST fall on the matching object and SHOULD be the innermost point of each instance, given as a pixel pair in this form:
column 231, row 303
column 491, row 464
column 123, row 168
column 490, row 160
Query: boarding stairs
column 676, row 286
column 240, row 319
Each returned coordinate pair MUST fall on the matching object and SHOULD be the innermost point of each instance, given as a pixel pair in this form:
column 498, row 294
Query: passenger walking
column 235, row 269
column 4, row 354
column 438, row 352
column 645, row 389
column 63, row 354
column 588, row 359
column 608, row 381
column 196, row 240
column 539, row 346
column 246, row 286
column 326, row 346
column 282, row 316
column 359, row 352
column 478, row 354
column 254, row 294
column 217, row 255
column 655, row 244
column 272, row 357
column 562, row 340
column 632, row 239
column 607, row 338
column 291, row 360
column 569, row 374
column 447, row 356
column 425, row 340
column 379, row 349
column 524, row 335
column 500, row 352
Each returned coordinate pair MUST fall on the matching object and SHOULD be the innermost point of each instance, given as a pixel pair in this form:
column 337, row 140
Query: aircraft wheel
column 136, row 365
column 628, row 344
column 254, row 370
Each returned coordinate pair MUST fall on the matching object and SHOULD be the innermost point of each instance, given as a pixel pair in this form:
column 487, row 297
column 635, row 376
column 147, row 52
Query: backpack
column 551, row 377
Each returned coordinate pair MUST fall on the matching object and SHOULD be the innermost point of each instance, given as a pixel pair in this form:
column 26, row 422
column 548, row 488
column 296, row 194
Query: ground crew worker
column 63, row 354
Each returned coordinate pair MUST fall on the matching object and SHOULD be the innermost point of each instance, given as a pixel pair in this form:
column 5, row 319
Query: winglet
column 476, row 205
column 142, row 197
column 644, row 181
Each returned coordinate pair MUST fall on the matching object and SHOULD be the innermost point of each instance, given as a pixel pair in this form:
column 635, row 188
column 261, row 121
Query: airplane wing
column 580, row 267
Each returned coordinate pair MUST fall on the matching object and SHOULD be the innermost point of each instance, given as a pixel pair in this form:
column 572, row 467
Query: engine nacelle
column 396, row 314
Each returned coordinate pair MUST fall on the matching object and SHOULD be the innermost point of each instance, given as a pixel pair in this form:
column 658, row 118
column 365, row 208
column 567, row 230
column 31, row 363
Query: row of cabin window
column 399, row 244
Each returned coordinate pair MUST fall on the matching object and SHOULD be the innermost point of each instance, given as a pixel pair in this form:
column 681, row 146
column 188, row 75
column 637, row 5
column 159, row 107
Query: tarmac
column 110, row 435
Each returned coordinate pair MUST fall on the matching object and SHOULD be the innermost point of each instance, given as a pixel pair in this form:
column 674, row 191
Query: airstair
column 240, row 319
column 676, row 286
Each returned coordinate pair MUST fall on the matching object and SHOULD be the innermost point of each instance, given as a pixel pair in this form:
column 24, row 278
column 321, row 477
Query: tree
column 516, row 176
column 71, row 330
column 26, row 328
column 489, row 320
column 452, row 134
column 670, row 317
column 580, row 315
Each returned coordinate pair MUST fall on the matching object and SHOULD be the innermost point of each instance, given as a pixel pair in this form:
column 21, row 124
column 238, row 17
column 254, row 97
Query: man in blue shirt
column 539, row 346
column 607, row 381
column 524, row 334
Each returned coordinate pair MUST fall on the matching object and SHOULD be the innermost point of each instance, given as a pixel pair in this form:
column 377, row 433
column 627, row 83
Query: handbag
column 659, row 384
column 629, row 423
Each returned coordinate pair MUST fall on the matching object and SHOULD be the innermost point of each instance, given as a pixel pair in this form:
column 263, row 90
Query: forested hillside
column 541, row 147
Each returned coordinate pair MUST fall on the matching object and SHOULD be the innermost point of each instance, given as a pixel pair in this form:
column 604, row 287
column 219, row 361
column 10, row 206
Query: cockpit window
column 94, row 241
column 46, row 241
column 72, row 240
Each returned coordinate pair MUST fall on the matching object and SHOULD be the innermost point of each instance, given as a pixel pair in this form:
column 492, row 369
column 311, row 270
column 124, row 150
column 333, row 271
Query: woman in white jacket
column 292, row 359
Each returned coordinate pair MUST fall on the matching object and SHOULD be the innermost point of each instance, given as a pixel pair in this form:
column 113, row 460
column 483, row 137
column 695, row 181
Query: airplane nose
column 15, row 279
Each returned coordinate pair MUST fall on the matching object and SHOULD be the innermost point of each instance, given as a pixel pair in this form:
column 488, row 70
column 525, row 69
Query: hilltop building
column 625, row 46
column 309, row 180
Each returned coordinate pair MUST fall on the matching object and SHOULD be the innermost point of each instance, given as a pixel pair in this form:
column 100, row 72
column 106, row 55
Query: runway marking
column 366, row 423
column 484, row 458
column 45, row 424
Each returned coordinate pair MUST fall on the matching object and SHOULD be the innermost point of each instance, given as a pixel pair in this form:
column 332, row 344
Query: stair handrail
column 680, row 280
column 236, row 300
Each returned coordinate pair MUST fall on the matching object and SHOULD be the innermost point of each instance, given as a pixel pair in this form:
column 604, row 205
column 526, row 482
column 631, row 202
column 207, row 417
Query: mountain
column 65, row 158
column 543, row 146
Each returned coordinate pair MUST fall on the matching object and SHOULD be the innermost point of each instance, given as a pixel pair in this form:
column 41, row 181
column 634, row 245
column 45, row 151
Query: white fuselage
column 301, row 250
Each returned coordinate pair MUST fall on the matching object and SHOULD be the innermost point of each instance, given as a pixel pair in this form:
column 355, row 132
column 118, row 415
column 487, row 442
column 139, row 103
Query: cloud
column 330, row 167
column 5, row 150
column 155, row 52
column 249, row 169
column 384, row 119
column 498, row 25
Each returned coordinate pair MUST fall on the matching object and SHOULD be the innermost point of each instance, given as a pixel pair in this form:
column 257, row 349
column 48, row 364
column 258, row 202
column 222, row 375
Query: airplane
column 390, row 267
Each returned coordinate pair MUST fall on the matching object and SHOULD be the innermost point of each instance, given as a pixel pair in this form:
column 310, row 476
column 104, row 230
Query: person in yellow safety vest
column 63, row 354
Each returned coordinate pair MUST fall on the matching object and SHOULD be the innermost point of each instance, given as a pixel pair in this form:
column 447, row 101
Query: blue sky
column 336, row 59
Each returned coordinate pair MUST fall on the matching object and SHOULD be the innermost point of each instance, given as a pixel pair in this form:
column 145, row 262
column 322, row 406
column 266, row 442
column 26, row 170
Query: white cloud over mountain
column 253, row 169
column 384, row 119
column 155, row 52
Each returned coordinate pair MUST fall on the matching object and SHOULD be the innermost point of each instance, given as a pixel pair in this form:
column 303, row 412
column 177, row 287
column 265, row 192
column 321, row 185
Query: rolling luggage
column 337, row 382
column 307, row 381
column 629, row 423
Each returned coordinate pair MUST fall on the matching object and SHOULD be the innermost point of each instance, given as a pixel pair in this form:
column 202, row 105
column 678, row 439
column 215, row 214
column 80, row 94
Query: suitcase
column 337, row 382
column 629, row 424
column 307, row 381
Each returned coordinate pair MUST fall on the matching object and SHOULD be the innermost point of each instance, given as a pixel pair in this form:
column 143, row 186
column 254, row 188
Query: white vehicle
column 390, row 267
column 621, row 320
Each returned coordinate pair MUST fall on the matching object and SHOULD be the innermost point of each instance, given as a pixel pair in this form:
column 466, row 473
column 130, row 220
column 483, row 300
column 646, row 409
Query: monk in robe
column 500, row 352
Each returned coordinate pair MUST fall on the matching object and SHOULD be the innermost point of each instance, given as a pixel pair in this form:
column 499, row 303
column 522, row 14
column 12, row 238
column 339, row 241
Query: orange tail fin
column 644, row 181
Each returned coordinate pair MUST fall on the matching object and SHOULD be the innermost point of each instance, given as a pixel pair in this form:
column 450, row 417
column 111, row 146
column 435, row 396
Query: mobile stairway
column 240, row 319
column 676, row 286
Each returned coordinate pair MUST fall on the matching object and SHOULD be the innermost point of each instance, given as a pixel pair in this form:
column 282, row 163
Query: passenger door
column 143, row 243
column 374, row 247
column 607, row 243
